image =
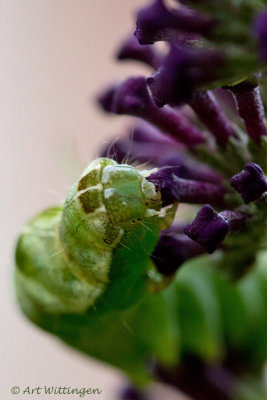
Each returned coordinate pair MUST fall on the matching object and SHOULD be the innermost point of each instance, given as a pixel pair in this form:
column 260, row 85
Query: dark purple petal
column 156, row 22
column 132, row 50
column 211, row 114
column 132, row 97
column 250, row 182
column 250, row 108
column 172, row 250
column 173, row 188
column 260, row 30
column 208, row 229
column 235, row 219
column 182, row 71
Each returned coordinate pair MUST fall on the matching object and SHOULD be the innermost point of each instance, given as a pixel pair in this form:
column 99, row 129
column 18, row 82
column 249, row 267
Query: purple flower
column 132, row 50
column 173, row 188
column 210, row 228
column 182, row 70
column 207, row 142
column 132, row 97
column 250, row 108
column 209, row 111
column 156, row 22
column 250, row 182
column 172, row 250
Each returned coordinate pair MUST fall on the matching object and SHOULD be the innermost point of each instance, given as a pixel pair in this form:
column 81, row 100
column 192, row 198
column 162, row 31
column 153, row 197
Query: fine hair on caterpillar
column 111, row 144
column 111, row 151
column 126, row 158
column 79, row 257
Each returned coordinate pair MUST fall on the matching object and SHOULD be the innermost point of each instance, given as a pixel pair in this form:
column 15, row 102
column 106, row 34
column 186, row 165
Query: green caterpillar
column 84, row 273
column 89, row 261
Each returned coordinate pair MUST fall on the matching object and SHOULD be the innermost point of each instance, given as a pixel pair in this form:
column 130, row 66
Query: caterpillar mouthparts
column 72, row 258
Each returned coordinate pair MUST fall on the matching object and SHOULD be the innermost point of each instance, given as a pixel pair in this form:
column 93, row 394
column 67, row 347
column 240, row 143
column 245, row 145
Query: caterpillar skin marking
column 81, row 269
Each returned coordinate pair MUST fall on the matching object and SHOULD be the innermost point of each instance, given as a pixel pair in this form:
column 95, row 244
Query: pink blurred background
column 55, row 56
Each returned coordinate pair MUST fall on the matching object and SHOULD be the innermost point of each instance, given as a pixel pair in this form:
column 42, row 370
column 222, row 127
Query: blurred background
column 55, row 57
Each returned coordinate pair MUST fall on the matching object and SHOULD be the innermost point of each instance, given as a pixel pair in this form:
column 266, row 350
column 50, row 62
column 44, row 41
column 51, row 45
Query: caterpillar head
column 120, row 189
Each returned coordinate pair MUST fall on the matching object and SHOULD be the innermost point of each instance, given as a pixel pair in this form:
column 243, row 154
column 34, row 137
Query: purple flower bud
column 146, row 133
column 173, row 188
column 172, row 250
column 132, row 50
column 234, row 219
column 189, row 168
column 211, row 114
column 210, row 228
column 145, row 144
column 132, row 97
column 250, row 108
column 182, row 71
column 250, row 182
column 260, row 30
column 156, row 22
